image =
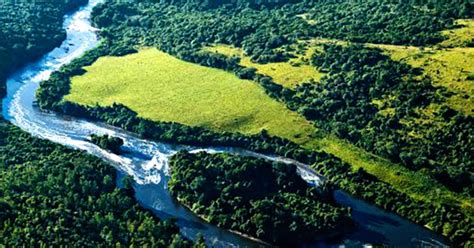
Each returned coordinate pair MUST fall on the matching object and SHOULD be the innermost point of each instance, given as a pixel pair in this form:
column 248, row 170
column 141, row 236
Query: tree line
column 179, row 28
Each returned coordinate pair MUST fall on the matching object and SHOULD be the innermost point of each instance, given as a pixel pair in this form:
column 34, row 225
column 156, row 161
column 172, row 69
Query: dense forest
column 53, row 196
column 107, row 142
column 267, row 200
column 28, row 31
column 183, row 31
column 229, row 3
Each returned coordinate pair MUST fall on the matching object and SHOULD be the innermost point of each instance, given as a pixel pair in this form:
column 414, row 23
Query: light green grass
column 288, row 74
column 163, row 88
column 416, row 184
column 447, row 67
column 459, row 37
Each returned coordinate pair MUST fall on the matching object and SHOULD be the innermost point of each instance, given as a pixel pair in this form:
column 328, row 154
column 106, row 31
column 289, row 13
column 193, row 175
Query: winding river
column 147, row 161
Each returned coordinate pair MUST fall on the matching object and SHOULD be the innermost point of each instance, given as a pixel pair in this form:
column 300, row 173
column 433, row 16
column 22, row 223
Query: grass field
column 460, row 37
column 288, row 74
column 161, row 87
column 447, row 67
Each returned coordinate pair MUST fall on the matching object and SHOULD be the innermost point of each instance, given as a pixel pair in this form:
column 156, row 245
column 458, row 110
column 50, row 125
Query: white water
column 147, row 161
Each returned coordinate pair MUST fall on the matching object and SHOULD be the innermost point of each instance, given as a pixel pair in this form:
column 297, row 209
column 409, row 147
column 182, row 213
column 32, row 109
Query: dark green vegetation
column 27, row 31
column 267, row 200
column 409, row 22
column 53, row 196
column 112, row 144
column 229, row 3
column 367, row 98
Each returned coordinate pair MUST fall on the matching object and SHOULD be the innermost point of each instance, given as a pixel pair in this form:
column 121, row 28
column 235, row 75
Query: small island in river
column 107, row 142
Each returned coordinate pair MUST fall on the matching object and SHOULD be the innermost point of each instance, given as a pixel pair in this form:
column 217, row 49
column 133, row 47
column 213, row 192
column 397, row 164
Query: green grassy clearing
column 163, row 88
column 288, row 74
column 160, row 87
column 460, row 37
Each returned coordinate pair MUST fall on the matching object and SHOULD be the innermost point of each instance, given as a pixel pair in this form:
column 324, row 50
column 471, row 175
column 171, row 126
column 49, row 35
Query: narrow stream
column 147, row 161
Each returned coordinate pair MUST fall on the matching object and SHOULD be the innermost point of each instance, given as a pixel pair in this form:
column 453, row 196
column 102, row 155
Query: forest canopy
column 267, row 200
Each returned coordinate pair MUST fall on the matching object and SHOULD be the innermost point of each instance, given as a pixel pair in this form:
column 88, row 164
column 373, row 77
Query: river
column 147, row 161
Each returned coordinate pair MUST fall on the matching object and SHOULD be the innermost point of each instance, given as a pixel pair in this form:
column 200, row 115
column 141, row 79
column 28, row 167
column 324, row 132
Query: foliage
column 261, row 32
column 343, row 103
column 267, row 200
column 389, row 22
column 53, row 196
column 229, row 3
column 107, row 142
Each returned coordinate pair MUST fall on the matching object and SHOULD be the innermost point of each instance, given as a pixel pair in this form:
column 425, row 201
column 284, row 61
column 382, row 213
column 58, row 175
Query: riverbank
column 241, row 234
